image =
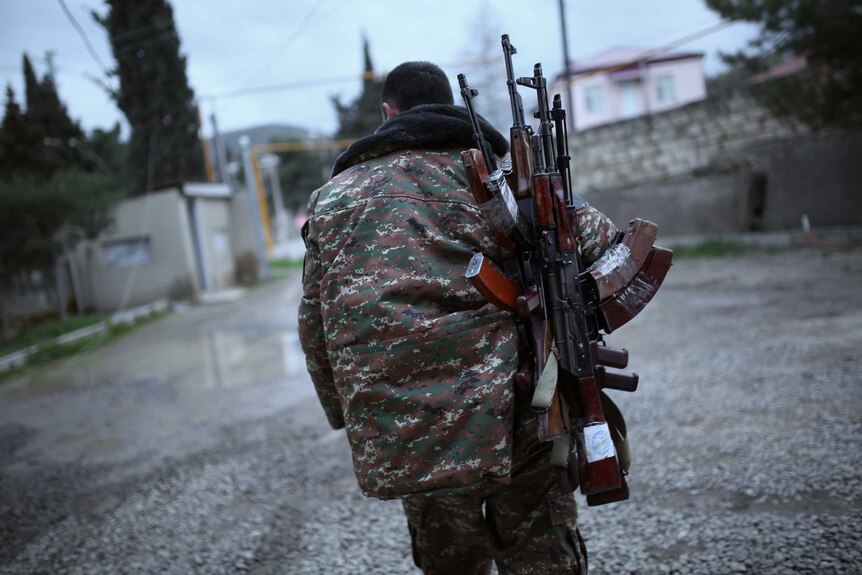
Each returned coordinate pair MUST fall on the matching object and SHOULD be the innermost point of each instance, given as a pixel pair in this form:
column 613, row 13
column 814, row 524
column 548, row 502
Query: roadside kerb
column 19, row 358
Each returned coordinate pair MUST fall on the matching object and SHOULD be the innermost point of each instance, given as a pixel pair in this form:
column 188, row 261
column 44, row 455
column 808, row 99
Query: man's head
column 414, row 83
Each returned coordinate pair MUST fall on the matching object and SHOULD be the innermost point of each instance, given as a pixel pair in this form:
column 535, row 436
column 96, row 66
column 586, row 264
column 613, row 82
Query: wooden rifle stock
column 477, row 173
column 522, row 162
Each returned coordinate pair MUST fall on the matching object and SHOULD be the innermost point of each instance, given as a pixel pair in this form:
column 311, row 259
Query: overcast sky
column 316, row 44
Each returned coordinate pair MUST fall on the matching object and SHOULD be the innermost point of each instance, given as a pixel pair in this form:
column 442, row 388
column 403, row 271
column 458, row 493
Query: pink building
column 626, row 82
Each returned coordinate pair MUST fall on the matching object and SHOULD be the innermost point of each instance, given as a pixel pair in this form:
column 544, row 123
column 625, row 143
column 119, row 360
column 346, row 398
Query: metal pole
column 219, row 150
column 254, row 209
column 570, row 101
column 270, row 163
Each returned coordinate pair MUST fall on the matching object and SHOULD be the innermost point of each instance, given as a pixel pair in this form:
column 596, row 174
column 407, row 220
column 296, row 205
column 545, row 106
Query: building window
column 665, row 89
column 631, row 98
column 595, row 99
column 127, row 253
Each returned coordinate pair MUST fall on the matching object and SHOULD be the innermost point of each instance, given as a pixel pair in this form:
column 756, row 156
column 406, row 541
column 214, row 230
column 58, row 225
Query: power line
column 239, row 92
column 645, row 55
column 277, row 52
column 84, row 37
column 303, row 26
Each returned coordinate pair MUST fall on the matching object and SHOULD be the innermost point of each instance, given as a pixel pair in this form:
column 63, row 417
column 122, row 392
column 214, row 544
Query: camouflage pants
column 525, row 527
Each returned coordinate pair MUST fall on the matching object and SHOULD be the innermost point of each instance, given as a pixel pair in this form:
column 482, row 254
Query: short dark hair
column 413, row 83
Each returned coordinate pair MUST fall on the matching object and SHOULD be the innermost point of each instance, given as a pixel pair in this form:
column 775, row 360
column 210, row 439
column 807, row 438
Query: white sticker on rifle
column 511, row 202
column 598, row 442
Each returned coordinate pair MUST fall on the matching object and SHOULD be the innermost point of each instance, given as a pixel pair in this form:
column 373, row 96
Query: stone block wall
column 713, row 134
column 720, row 165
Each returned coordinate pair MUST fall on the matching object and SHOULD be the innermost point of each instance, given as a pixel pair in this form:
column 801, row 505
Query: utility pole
column 570, row 104
column 269, row 162
column 254, row 209
column 219, row 151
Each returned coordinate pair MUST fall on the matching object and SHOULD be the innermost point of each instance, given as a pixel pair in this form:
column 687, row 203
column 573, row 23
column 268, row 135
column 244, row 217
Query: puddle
column 187, row 364
column 156, row 395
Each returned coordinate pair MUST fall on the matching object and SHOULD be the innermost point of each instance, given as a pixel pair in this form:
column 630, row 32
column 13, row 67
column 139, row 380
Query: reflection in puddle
column 156, row 396
column 177, row 365
column 234, row 358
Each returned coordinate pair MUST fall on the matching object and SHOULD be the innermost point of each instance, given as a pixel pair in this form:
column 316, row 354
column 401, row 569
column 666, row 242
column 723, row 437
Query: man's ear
column 389, row 111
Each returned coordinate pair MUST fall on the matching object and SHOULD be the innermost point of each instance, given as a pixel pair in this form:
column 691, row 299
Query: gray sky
column 233, row 45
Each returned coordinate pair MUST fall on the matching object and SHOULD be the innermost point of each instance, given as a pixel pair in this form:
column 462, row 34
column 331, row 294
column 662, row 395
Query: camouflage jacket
column 403, row 352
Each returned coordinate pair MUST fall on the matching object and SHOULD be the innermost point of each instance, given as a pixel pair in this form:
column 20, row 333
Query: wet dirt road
column 195, row 444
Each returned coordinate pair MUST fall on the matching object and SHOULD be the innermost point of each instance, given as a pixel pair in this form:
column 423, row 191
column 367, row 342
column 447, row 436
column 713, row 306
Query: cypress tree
column 17, row 141
column 153, row 93
column 362, row 116
column 46, row 134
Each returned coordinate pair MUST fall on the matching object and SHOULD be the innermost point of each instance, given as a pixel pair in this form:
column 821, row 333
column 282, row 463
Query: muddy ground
column 196, row 445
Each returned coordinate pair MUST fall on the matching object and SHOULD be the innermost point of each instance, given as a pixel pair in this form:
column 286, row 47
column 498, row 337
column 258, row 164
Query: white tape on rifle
column 598, row 442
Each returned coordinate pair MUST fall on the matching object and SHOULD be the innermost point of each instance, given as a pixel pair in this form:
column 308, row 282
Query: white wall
column 688, row 80
column 161, row 220
column 217, row 244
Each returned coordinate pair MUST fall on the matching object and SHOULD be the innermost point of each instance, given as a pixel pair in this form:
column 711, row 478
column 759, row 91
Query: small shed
column 178, row 242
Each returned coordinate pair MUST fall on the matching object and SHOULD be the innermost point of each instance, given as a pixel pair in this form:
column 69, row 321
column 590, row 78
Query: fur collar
column 428, row 125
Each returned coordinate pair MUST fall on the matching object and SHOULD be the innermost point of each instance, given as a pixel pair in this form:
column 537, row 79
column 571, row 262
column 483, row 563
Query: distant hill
column 262, row 135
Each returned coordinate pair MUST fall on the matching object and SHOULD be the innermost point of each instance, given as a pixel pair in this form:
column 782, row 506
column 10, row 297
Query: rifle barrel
column 468, row 94
column 514, row 97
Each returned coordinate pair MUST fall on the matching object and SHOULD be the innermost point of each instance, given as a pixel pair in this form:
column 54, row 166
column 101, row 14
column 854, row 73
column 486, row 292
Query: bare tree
column 489, row 74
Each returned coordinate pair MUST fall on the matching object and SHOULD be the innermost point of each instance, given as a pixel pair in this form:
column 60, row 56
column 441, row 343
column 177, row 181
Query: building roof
column 789, row 67
column 622, row 57
column 197, row 189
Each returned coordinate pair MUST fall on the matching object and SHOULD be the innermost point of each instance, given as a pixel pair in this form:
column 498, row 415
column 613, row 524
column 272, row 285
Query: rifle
column 560, row 307
column 520, row 132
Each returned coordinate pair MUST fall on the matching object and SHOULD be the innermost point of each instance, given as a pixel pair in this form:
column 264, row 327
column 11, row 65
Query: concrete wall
column 161, row 219
column 215, row 221
column 817, row 175
column 704, row 205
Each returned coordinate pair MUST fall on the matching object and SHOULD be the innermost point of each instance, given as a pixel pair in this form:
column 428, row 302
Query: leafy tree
column 827, row 34
column 153, row 93
column 104, row 151
column 31, row 214
column 362, row 116
column 299, row 174
column 40, row 218
column 55, row 185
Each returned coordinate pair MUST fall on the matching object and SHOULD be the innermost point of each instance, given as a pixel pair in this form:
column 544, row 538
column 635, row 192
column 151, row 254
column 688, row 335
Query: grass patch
column 47, row 332
column 49, row 351
column 282, row 268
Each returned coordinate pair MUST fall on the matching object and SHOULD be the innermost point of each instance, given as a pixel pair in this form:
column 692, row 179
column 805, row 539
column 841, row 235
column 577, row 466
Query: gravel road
column 195, row 445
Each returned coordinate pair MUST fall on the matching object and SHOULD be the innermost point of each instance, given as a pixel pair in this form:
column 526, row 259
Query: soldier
column 412, row 361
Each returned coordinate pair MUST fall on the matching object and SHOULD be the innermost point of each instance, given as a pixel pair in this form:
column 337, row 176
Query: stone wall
column 709, row 135
column 717, row 166
column 819, row 175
